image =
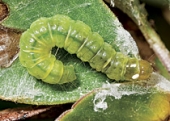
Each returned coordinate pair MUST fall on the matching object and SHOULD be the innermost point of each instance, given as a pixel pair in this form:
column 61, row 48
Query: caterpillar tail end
column 68, row 75
column 145, row 70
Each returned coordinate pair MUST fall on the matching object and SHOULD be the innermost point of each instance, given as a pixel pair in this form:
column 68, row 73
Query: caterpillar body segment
column 76, row 38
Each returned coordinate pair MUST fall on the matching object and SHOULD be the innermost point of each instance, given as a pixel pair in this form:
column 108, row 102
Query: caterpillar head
column 145, row 70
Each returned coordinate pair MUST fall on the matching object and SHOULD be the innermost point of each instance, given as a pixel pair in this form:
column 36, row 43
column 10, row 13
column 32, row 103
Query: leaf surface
column 121, row 102
column 17, row 85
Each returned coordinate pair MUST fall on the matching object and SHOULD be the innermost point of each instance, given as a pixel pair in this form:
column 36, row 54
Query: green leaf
column 17, row 85
column 121, row 102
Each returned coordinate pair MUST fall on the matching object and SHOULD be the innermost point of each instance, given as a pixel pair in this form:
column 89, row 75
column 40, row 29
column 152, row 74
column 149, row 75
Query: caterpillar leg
column 60, row 74
column 53, row 71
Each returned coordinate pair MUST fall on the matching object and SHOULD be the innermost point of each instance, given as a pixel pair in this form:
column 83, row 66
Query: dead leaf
column 9, row 46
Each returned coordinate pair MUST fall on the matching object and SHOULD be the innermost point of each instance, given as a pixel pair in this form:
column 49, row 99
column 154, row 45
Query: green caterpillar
column 76, row 38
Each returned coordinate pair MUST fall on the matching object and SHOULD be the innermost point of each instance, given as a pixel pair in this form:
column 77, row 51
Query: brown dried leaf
column 3, row 11
column 9, row 46
column 22, row 113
